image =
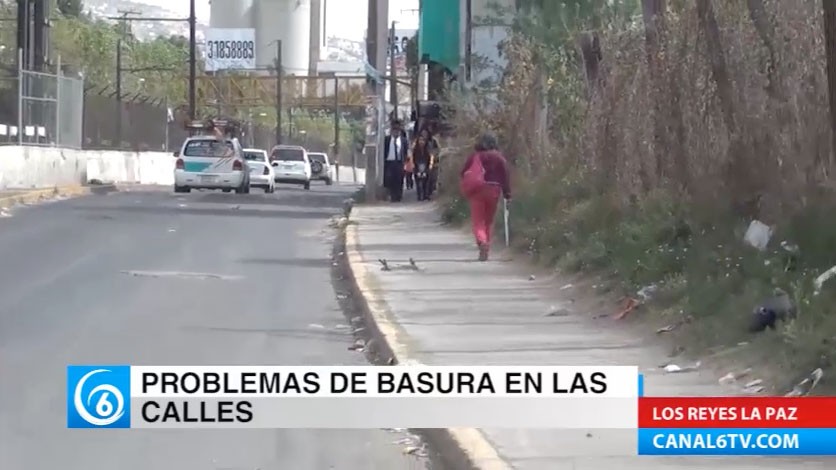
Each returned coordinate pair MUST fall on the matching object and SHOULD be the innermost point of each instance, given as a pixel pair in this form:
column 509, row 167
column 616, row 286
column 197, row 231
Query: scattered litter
column 341, row 327
column 792, row 248
column 404, row 441
column 555, row 311
column 395, row 430
column 753, row 387
column 667, row 328
column 316, row 326
column 823, row 277
column 182, row 205
column 567, row 286
column 390, row 361
column 356, row 321
column 385, row 265
column 532, row 277
column 807, row 385
column 771, row 310
column 647, row 292
column 627, row 306
column 357, row 331
column 358, row 345
column 674, row 326
column 757, row 235
column 416, row 451
column 589, row 434
column 5, row 213
column 171, row 230
column 675, row 369
column 732, row 377
column 235, row 208
column 412, row 263
column 342, row 296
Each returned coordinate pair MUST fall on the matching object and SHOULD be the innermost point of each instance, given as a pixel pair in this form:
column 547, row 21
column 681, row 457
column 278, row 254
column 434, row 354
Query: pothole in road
column 183, row 275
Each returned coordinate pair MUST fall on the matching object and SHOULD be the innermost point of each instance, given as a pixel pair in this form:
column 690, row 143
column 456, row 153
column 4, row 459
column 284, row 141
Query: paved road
column 65, row 298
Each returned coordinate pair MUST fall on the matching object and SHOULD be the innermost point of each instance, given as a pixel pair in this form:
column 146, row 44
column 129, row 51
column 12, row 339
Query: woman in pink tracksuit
column 483, row 203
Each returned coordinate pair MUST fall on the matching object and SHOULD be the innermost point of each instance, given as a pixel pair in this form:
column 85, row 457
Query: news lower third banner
column 596, row 410
column 351, row 397
column 737, row 426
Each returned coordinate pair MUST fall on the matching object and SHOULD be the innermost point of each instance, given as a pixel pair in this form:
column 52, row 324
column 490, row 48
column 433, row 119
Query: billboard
column 229, row 49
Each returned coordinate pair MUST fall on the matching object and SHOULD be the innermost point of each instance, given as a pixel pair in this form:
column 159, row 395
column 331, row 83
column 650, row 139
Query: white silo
column 231, row 14
column 288, row 21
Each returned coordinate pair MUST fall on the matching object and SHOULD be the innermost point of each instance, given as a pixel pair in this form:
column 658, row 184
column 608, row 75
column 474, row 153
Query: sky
column 344, row 18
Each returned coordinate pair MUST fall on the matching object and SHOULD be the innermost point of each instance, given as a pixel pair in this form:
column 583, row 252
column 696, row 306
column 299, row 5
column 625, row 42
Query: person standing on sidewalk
column 395, row 148
column 484, row 178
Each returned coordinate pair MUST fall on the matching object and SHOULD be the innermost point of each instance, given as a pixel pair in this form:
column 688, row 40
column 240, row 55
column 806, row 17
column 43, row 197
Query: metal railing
column 50, row 108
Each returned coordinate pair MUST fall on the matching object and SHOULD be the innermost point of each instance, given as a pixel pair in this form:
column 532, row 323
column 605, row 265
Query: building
column 463, row 42
column 299, row 24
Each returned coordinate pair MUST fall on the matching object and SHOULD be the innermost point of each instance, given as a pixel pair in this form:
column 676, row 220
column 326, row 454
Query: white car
column 321, row 168
column 291, row 165
column 261, row 172
column 204, row 162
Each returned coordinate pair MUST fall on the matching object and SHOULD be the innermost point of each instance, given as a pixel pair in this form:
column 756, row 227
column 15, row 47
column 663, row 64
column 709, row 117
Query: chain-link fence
column 50, row 109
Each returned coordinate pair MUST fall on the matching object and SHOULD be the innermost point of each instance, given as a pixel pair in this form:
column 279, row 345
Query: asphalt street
column 100, row 280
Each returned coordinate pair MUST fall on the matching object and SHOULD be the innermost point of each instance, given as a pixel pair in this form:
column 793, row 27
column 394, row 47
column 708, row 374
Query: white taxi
column 261, row 172
column 206, row 162
column 291, row 165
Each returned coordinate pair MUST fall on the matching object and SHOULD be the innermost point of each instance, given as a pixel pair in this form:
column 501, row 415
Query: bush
column 600, row 187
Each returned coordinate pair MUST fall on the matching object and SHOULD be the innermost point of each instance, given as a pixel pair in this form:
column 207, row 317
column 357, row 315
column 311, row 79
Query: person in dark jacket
column 483, row 203
column 422, row 161
column 434, row 148
column 395, row 148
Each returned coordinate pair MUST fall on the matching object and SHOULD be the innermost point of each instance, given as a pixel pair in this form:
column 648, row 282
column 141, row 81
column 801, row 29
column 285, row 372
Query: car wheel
column 328, row 182
column 182, row 189
column 226, row 190
column 269, row 189
column 308, row 185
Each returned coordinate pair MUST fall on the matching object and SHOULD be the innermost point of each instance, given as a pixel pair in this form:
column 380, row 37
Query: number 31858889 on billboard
column 230, row 49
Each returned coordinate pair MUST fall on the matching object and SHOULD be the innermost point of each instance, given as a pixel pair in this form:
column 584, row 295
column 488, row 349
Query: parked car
column 261, row 172
column 291, row 164
column 321, row 167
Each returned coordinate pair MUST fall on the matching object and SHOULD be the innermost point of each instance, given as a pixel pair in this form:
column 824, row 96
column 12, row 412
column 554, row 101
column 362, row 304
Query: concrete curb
column 35, row 195
column 461, row 448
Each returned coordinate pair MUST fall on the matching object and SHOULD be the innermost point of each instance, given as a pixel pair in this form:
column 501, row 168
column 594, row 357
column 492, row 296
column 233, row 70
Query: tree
column 71, row 8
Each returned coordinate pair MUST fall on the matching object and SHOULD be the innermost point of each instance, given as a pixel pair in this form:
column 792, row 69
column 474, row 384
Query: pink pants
column 482, row 212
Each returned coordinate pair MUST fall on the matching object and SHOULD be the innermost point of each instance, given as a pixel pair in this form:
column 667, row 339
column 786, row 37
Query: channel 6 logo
column 98, row 396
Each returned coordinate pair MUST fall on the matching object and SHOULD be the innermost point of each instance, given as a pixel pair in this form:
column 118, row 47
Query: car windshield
column 255, row 156
column 289, row 154
column 318, row 157
column 208, row 148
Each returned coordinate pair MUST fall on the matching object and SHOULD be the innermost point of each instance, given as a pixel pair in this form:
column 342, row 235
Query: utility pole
column 192, row 59
column 393, row 83
column 337, row 124
column 279, row 91
column 122, row 33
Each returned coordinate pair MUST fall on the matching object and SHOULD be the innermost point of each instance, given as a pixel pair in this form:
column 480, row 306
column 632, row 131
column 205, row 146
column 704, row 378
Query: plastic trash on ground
column 758, row 235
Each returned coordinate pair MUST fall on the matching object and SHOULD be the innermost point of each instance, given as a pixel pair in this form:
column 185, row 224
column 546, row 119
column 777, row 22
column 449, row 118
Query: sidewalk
column 457, row 311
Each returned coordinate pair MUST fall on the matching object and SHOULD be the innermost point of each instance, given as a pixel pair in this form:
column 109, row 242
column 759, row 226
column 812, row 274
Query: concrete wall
column 45, row 167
